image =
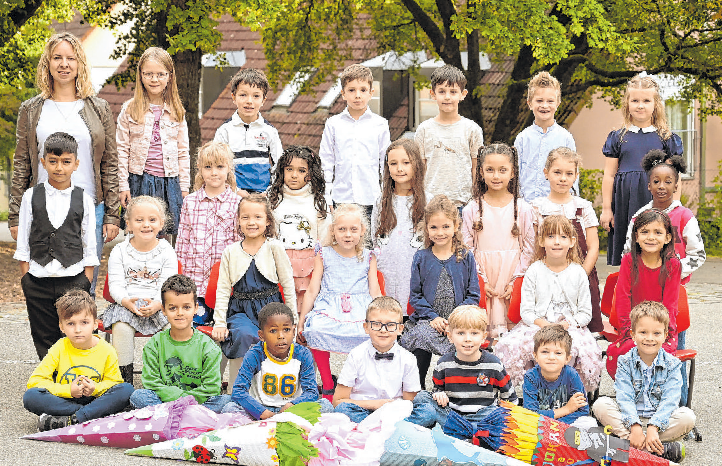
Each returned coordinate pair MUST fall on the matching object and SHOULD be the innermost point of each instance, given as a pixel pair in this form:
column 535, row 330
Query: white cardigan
column 271, row 261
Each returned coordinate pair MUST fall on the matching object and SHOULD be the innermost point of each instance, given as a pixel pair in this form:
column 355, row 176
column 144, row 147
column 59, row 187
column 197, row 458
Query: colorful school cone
column 180, row 418
column 541, row 441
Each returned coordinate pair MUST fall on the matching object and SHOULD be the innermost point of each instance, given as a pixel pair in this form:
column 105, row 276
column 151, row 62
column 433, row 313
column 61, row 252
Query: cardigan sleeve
column 223, row 290
column 529, row 296
column 583, row 306
column 472, row 292
column 122, row 138
column 422, row 308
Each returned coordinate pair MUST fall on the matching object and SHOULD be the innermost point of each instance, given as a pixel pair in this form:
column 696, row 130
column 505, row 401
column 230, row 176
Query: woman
column 67, row 103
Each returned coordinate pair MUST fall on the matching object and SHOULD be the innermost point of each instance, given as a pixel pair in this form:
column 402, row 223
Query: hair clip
column 657, row 162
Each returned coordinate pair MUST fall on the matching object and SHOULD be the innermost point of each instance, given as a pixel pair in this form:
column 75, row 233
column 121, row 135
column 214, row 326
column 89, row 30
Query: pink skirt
column 302, row 264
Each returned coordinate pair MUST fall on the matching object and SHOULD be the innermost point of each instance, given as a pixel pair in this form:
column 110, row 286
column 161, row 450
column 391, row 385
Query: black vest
column 65, row 243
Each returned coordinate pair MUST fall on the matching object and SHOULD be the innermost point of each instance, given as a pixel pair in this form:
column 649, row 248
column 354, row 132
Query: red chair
column 514, row 312
column 609, row 332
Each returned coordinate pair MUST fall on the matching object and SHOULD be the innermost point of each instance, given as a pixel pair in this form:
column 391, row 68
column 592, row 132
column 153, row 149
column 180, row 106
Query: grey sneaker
column 674, row 452
column 48, row 422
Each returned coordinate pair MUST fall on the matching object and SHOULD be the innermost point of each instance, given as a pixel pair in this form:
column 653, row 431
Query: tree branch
column 20, row 16
column 430, row 28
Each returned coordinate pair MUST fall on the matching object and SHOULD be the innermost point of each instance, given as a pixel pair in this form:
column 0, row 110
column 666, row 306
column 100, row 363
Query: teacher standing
column 67, row 103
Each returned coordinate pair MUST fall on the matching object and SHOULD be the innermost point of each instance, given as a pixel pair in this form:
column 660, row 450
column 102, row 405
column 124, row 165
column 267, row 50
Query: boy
column 648, row 386
column 536, row 141
column 380, row 370
column 56, row 240
column 79, row 379
column 469, row 381
column 552, row 388
column 276, row 373
column 449, row 143
column 353, row 145
column 180, row 361
column 254, row 141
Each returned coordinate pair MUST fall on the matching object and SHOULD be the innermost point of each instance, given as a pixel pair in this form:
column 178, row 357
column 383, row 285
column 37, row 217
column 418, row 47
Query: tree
column 587, row 44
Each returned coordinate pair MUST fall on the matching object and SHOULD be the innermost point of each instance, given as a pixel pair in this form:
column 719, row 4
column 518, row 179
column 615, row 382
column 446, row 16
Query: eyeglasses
column 377, row 326
column 149, row 75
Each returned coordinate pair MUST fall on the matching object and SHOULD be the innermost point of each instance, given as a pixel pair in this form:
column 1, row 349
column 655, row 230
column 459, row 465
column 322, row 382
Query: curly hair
column 553, row 225
column 657, row 158
column 43, row 78
column 480, row 187
column 155, row 202
column 348, row 209
column 213, row 153
column 667, row 252
column 386, row 215
column 258, row 198
column 442, row 204
column 315, row 177
column 179, row 284
column 659, row 117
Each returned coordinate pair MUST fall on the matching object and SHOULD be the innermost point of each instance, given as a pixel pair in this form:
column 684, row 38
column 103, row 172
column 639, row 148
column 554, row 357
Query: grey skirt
column 145, row 325
column 421, row 335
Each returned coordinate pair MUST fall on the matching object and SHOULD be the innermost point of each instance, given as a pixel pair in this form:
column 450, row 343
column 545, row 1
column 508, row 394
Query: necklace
column 65, row 115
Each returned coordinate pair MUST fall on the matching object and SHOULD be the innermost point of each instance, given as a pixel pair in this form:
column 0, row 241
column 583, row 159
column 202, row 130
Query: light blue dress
column 336, row 321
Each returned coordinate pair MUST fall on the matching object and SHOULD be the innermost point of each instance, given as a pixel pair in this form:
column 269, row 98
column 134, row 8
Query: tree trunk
column 514, row 114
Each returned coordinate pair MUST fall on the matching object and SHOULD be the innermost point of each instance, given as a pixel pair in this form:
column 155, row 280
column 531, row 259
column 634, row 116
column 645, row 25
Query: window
column 425, row 107
column 375, row 102
column 680, row 118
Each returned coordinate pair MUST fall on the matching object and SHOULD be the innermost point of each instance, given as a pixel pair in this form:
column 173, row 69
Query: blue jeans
column 422, row 414
column 144, row 397
column 99, row 213
column 441, row 413
column 114, row 400
column 233, row 407
column 681, row 340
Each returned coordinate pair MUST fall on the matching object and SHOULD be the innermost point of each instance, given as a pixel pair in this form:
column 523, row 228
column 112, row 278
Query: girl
column 208, row 220
column 505, row 248
column 650, row 272
column 152, row 138
column 561, row 169
column 299, row 208
column 342, row 285
column 624, row 186
column 397, row 216
column 555, row 291
column 137, row 269
column 250, row 273
column 443, row 276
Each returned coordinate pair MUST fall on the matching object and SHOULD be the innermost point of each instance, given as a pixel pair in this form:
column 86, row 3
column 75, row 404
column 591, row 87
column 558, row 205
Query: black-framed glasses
column 377, row 326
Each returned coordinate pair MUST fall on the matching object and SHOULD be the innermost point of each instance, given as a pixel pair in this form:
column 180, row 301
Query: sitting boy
column 79, row 379
column 380, row 370
column 648, row 386
column 276, row 373
column 180, row 361
column 552, row 388
column 469, row 381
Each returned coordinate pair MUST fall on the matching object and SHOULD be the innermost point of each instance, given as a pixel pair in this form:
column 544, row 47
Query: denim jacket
column 664, row 389
column 134, row 141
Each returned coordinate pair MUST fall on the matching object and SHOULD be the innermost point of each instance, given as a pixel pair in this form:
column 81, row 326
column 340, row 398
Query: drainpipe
column 702, row 162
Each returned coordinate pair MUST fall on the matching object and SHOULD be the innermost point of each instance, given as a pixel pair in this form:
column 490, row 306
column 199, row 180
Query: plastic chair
column 514, row 312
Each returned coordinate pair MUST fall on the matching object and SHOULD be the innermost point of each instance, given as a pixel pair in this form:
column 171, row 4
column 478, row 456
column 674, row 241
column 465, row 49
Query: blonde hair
column 385, row 303
column 43, row 78
column 543, row 80
column 258, row 198
column 214, row 153
column 557, row 224
column 348, row 209
column 140, row 103
column 442, row 204
column 356, row 71
column 653, row 309
column 566, row 154
column 154, row 201
column 659, row 118
column 468, row 316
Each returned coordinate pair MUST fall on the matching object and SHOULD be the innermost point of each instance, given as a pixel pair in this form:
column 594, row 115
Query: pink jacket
column 133, row 140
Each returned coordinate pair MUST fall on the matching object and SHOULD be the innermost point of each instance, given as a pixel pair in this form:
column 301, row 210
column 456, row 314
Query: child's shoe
column 48, row 422
column 673, row 451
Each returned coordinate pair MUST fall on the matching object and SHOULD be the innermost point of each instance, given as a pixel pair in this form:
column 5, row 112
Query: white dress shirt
column 57, row 203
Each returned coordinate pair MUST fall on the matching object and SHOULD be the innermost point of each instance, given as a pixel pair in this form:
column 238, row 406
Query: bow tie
column 389, row 356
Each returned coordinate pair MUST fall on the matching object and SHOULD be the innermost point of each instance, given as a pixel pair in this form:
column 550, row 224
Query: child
column 209, row 220
column 152, row 138
column 562, row 169
column 343, row 283
column 249, row 278
column 552, row 388
column 78, row 380
column 379, row 370
column 534, row 143
column 555, row 290
column 504, row 249
column 397, row 216
column 354, row 143
column 137, row 269
column 276, row 373
column 651, row 272
column 449, row 142
column 56, row 240
column 254, row 141
column 648, row 388
column 299, row 208
column 469, row 381
column 443, row 276
column 624, row 186
column 180, row 361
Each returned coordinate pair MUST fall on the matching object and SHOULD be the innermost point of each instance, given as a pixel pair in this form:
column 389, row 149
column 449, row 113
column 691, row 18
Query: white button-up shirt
column 352, row 156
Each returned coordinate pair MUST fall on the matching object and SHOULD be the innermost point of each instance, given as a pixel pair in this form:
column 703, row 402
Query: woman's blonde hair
column 553, row 225
column 659, row 117
column 442, row 204
column 348, row 209
column 43, row 78
column 140, row 104
column 212, row 153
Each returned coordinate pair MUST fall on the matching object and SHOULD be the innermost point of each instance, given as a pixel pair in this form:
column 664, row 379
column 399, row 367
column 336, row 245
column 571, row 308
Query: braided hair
column 315, row 175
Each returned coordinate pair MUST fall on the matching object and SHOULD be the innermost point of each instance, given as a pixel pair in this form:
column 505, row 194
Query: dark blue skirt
column 165, row 188
column 630, row 194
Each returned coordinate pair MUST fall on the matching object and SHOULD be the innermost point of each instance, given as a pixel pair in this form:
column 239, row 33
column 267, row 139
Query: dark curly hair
column 315, row 175
column 179, row 284
column 656, row 158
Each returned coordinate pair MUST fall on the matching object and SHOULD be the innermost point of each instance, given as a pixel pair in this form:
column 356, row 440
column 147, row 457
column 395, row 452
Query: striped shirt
column 472, row 386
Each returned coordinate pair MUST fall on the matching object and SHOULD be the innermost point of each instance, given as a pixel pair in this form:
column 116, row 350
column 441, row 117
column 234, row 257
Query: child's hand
column 76, row 388
column 564, row 324
column 636, row 437
column 490, row 292
column 241, row 192
column 265, row 415
column 219, row 333
column 129, row 304
column 507, row 291
column 439, row 324
column 184, row 194
column 88, row 386
column 148, row 310
column 578, row 400
column 441, row 398
column 607, row 219
column 124, row 198
column 286, row 406
column 652, row 442
column 379, row 403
